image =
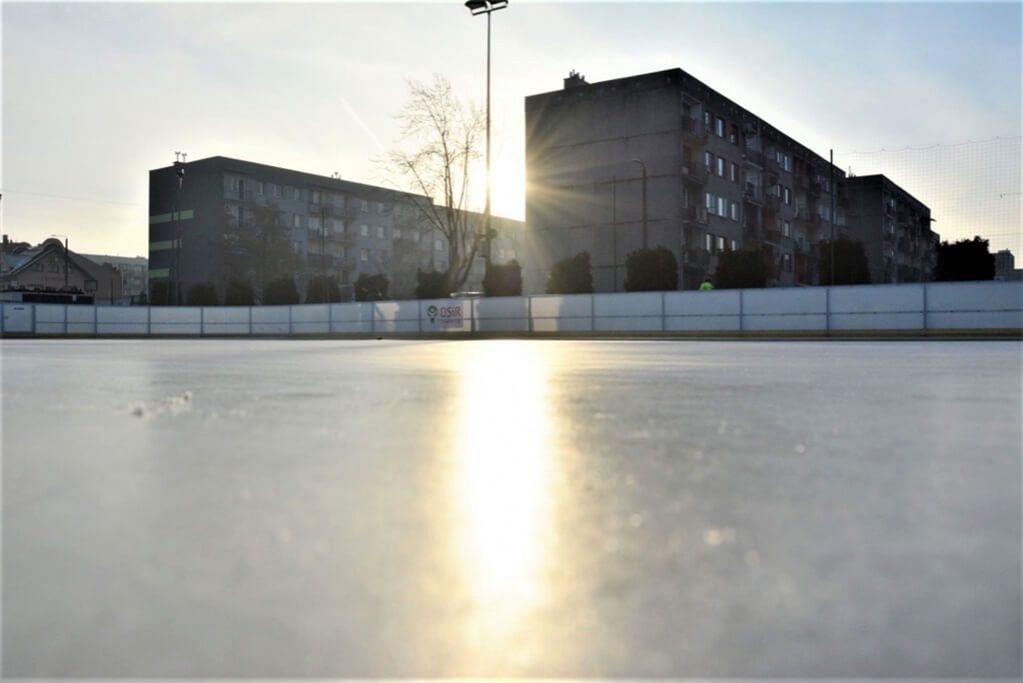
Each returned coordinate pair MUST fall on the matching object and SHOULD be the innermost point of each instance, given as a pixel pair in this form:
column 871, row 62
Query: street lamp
column 179, row 172
column 487, row 7
column 637, row 161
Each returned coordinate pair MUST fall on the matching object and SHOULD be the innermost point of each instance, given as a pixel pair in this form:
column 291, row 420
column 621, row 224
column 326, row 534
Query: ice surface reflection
column 503, row 480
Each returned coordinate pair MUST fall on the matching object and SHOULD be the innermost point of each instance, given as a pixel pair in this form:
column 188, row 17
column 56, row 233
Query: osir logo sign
column 448, row 314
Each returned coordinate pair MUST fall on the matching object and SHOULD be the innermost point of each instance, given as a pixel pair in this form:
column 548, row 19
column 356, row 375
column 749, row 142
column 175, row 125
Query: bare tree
column 440, row 140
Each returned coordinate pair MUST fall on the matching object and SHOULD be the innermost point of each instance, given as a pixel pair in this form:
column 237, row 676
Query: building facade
column 894, row 228
column 224, row 219
column 716, row 176
column 1005, row 266
column 134, row 271
column 48, row 272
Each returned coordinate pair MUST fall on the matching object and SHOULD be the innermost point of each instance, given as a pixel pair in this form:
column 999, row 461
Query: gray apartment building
column 718, row 178
column 895, row 229
column 134, row 272
column 203, row 227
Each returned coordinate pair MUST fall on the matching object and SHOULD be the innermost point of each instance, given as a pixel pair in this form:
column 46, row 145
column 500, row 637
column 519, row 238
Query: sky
column 96, row 95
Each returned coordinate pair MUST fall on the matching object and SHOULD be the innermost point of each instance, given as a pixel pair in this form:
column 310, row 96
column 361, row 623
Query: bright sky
column 96, row 95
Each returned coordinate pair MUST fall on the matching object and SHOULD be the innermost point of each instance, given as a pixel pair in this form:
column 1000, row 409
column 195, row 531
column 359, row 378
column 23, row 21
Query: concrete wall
column 947, row 306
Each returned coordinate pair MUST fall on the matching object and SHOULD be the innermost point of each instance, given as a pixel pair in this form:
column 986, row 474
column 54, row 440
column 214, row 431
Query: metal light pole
column 487, row 7
column 179, row 166
column 637, row 161
column 831, row 164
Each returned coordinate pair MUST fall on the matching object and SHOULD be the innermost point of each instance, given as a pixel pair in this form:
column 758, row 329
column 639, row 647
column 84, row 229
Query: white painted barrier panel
column 975, row 296
column 175, row 320
column 785, row 309
column 634, row 312
column 225, row 320
column 81, row 320
column 18, row 317
column 502, row 314
column 443, row 316
column 716, row 311
column 397, row 316
column 352, row 318
column 975, row 320
column 877, row 307
column 50, row 319
column 270, row 319
column 123, row 319
column 310, row 319
column 563, row 313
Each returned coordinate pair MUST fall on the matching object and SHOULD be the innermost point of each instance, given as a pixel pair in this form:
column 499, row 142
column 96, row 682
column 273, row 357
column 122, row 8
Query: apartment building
column 134, row 271
column 203, row 216
column 717, row 178
column 895, row 229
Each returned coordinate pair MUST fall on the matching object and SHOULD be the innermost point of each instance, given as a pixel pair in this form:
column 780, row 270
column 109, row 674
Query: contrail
column 362, row 124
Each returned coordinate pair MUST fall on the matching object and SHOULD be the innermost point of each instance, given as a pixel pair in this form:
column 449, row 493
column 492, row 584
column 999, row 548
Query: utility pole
column 831, row 171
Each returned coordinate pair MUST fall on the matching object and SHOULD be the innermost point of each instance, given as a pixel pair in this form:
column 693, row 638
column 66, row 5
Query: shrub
column 651, row 270
column 371, row 287
column 202, row 294
column 239, row 293
column 159, row 294
column 431, row 284
column 322, row 290
column 280, row 292
column 740, row 270
column 503, row 280
column 571, row 275
column 850, row 263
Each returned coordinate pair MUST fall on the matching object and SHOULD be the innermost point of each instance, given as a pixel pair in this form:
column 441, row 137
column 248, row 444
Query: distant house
column 134, row 272
column 46, row 273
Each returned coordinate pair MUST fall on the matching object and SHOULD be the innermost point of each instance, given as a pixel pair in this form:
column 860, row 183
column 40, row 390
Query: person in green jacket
column 707, row 285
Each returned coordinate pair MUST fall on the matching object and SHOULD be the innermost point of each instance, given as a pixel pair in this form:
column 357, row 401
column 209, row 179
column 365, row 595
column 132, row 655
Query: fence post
column 472, row 316
column 664, row 320
column 529, row 312
column 34, row 319
column 827, row 310
column 330, row 319
column 250, row 320
column 95, row 318
column 202, row 320
column 924, row 285
column 290, row 332
column 593, row 313
column 373, row 317
column 742, row 312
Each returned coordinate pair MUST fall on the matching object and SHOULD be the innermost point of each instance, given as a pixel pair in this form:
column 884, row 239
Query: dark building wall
column 719, row 178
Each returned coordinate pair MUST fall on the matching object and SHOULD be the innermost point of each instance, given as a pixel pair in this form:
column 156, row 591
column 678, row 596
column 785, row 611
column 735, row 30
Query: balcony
column 699, row 258
column 694, row 214
column 695, row 173
column 693, row 130
column 753, row 158
column 752, row 194
column 772, row 203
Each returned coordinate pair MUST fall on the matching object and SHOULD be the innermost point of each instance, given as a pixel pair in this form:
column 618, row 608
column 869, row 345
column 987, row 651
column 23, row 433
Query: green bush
column 740, row 270
column 322, row 290
column 431, row 284
column 571, row 275
column 503, row 280
column 372, row 287
column 280, row 292
column 850, row 263
column 239, row 293
column 651, row 270
column 159, row 294
column 202, row 294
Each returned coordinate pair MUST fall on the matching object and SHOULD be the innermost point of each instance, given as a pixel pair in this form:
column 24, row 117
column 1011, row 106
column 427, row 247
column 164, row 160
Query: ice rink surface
column 225, row 508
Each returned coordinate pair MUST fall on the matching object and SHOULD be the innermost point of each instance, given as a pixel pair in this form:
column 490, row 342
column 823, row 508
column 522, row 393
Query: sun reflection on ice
column 504, row 474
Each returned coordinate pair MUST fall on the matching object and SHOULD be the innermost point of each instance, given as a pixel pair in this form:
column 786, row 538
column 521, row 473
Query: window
column 788, row 163
column 786, row 228
column 721, row 167
column 735, row 211
column 733, row 134
column 298, row 194
column 337, row 225
column 276, row 191
column 438, row 245
column 720, row 243
column 735, row 245
column 364, row 255
column 380, row 208
column 722, row 207
column 339, row 200
column 316, row 197
column 707, row 119
column 396, row 233
column 733, row 172
column 260, row 187
column 380, row 232
column 363, row 205
column 315, row 223
column 786, row 261
column 708, row 161
column 298, row 221
column 364, row 230
column 719, row 127
column 787, row 195
column 709, row 242
column 709, row 203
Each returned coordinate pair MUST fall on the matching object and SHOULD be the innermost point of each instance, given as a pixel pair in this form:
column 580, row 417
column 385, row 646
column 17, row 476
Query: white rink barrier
column 938, row 306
